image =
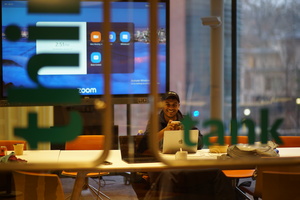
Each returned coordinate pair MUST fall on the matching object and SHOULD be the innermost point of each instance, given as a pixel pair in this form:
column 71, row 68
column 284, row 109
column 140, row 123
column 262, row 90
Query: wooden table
column 117, row 164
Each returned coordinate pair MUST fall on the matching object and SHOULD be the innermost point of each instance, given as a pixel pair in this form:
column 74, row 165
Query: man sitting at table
column 170, row 112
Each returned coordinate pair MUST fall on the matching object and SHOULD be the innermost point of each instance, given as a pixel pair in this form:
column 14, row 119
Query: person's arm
column 143, row 145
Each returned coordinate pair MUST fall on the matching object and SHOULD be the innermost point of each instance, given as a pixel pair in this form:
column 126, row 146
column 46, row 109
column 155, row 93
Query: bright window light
column 247, row 112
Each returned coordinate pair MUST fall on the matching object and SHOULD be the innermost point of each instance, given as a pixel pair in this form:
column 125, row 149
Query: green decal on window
column 217, row 130
column 42, row 95
column 57, row 135
column 188, row 124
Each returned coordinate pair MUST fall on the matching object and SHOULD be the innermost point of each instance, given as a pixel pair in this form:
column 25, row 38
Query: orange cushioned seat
column 10, row 144
column 87, row 142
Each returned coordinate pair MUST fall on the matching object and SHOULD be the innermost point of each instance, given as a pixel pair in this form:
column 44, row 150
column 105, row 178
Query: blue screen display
column 129, row 39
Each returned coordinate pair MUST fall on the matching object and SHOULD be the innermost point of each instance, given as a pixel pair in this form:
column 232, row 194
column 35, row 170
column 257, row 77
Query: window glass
column 269, row 66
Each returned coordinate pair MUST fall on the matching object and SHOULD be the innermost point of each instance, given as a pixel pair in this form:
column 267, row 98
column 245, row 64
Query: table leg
column 79, row 182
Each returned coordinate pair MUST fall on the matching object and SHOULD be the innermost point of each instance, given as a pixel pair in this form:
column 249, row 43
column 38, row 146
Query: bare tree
column 274, row 26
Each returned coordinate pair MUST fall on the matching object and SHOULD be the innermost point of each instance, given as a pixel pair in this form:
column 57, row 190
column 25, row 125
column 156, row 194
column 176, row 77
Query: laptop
column 129, row 153
column 173, row 141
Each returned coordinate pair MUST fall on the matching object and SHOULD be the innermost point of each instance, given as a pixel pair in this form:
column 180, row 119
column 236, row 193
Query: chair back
column 10, row 144
column 290, row 141
column 227, row 139
column 30, row 186
column 86, row 142
column 258, row 190
column 281, row 185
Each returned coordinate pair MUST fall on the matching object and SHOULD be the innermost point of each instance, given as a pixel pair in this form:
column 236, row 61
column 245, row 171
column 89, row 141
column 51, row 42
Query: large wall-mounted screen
column 129, row 40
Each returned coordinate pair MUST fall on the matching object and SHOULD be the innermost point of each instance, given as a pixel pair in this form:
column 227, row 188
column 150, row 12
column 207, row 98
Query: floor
column 112, row 186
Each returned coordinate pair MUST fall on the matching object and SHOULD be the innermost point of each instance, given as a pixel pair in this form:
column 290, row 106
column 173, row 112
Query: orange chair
column 235, row 175
column 290, row 141
column 10, row 144
column 227, row 139
column 87, row 142
column 31, row 185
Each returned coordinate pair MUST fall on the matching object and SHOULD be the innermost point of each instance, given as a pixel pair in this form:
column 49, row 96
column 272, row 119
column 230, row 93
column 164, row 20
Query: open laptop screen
column 174, row 140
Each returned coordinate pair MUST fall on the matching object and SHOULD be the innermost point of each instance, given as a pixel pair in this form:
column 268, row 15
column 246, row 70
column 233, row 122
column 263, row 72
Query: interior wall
column 177, row 47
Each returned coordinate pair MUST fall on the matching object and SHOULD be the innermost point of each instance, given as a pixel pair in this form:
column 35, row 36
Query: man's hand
column 173, row 125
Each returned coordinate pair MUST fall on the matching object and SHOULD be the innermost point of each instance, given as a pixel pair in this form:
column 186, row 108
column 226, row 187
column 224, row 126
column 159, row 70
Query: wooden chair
column 257, row 190
column 10, row 144
column 281, row 185
column 7, row 175
column 30, row 186
column 87, row 142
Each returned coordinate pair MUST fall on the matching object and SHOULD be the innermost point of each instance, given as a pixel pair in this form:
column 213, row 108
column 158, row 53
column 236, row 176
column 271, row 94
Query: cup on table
column 18, row 148
column 181, row 155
